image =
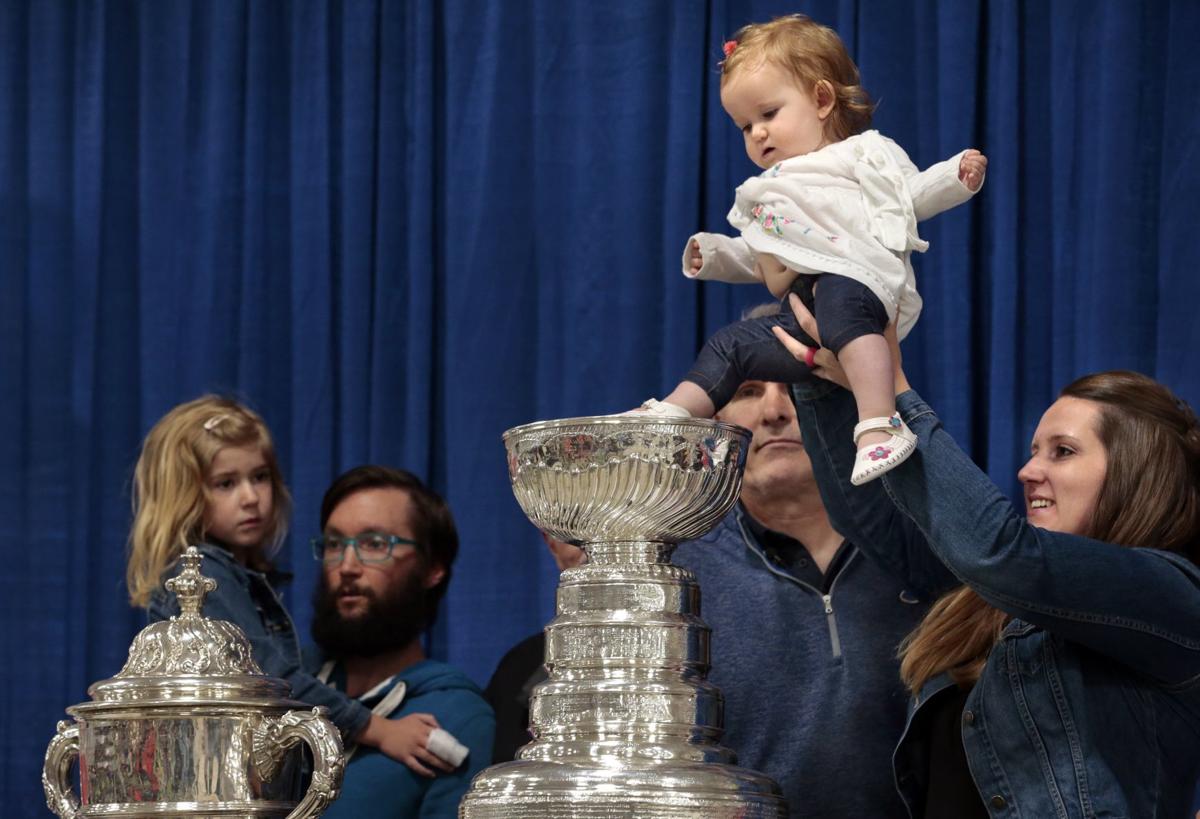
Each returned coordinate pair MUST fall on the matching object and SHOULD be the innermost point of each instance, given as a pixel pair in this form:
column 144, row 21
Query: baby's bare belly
column 774, row 274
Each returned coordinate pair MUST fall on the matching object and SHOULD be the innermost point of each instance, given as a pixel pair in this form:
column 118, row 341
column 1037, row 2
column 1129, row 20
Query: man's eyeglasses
column 368, row 549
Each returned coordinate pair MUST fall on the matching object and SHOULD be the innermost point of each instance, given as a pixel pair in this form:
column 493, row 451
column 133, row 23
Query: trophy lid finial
column 189, row 586
column 189, row 646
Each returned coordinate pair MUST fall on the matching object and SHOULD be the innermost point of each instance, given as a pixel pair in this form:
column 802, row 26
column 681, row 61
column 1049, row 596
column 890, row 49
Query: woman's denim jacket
column 1089, row 705
column 245, row 598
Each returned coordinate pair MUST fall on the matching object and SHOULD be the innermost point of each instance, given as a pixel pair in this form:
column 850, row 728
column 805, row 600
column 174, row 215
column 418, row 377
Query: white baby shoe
column 875, row 459
column 659, row 410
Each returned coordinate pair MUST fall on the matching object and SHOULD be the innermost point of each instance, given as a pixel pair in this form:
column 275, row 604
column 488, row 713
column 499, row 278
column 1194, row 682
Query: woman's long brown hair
column 1150, row 498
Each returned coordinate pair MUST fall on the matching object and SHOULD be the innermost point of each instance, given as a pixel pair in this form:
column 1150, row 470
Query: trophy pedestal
column 626, row 725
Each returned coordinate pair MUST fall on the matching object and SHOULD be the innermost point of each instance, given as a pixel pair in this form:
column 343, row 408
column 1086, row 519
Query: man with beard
column 387, row 547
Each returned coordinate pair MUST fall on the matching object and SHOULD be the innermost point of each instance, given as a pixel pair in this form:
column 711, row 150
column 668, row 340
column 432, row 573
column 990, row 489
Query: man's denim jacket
column 246, row 598
column 1089, row 705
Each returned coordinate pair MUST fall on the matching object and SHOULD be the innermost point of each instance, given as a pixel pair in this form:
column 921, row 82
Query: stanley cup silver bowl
column 626, row 725
column 625, row 478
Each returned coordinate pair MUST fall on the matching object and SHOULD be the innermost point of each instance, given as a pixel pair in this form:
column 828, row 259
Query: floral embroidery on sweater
column 768, row 221
column 772, row 222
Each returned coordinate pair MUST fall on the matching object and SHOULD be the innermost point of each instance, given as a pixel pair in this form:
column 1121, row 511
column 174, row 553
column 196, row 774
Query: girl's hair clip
column 212, row 423
column 728, row 48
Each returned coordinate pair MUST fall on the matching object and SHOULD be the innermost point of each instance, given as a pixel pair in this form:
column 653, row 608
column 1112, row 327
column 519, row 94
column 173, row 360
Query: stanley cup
column 626, row 725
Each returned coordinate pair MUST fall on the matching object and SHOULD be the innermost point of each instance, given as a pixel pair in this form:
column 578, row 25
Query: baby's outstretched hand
column 695, row 259
column 971, row 169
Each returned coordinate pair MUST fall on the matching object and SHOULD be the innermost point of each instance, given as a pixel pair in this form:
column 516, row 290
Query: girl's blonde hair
column 1150, row 497
column 170, row 487
column 811, row 53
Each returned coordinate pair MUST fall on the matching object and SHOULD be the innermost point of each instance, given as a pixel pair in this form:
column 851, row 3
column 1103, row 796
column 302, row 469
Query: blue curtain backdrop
column 399, row 228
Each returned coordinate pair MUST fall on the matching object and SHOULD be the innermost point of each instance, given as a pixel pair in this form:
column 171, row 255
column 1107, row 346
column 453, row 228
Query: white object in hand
column 443, row 744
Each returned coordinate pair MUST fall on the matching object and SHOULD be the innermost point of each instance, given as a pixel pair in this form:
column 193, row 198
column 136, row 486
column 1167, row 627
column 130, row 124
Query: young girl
column 208, row 476
column 833, row 217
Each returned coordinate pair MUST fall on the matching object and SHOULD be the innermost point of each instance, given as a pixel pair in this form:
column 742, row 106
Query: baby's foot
column 869, row 439
column 658, row 410
column 883, row 443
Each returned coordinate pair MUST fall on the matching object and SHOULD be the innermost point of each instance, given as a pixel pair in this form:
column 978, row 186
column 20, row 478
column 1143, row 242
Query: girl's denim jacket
column 1089, row 705
column 246, row 598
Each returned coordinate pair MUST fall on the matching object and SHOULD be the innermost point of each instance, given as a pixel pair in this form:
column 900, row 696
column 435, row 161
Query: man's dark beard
column 390, row 622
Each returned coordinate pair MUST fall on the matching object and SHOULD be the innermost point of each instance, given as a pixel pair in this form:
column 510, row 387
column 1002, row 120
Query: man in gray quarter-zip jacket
column 805, row 629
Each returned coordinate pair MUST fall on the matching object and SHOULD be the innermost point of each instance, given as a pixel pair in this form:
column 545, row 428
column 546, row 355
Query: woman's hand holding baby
column 820, row 360
column 824, row 363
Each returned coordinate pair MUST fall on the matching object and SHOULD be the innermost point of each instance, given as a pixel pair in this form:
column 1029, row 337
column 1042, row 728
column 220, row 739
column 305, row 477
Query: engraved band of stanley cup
column 626, row 725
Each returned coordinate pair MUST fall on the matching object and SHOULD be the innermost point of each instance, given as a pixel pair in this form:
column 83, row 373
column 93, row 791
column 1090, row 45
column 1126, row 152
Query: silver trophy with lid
column 192, row 727
column 626, row 725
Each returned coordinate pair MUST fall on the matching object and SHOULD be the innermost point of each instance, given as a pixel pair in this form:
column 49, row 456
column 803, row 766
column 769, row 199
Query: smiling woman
column 1066, row 468
column 1076, row 634
column 1100, row 467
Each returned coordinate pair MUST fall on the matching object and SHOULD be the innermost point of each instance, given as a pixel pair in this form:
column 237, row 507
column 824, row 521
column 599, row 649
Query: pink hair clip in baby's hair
column 728, row 48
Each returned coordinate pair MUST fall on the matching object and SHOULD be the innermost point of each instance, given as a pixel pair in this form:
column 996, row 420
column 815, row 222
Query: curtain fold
column 399, row 228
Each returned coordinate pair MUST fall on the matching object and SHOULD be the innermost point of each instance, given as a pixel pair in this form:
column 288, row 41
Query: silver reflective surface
column 192, row 727
column 623, row 478
column 626, row 725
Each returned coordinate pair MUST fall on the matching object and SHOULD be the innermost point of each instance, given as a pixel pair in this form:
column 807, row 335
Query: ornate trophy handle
column 57, row 771
column 274, row 737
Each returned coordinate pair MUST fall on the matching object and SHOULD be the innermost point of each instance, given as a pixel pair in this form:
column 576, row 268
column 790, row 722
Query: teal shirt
column 377, row 786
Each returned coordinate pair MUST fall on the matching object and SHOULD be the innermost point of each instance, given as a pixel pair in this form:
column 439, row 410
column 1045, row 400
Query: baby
column 833, row 217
